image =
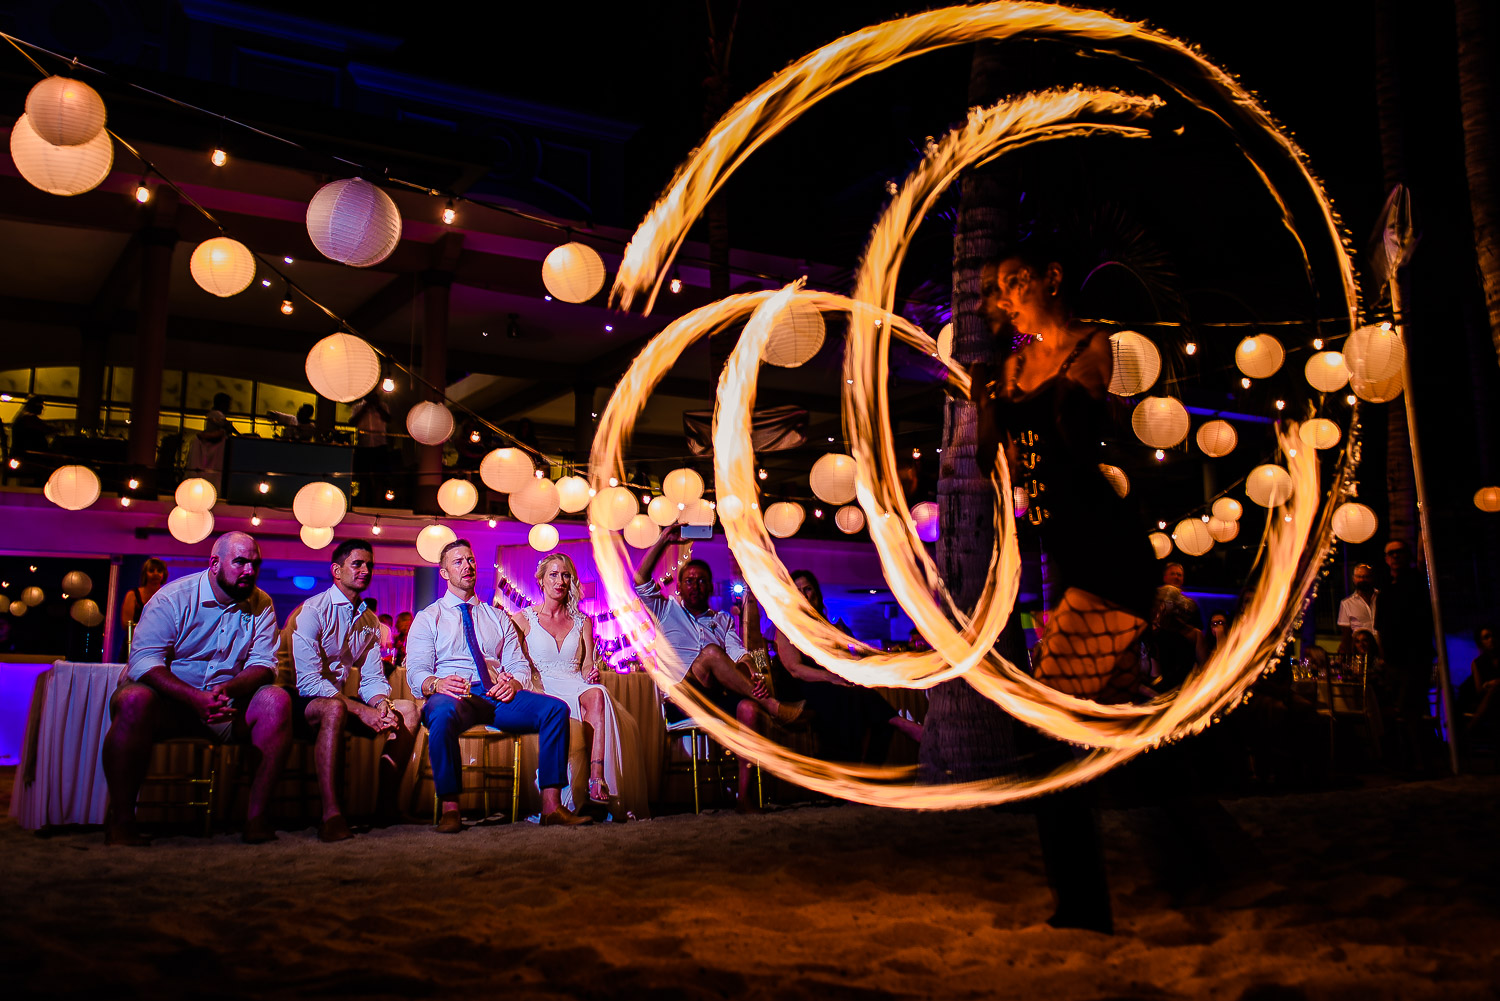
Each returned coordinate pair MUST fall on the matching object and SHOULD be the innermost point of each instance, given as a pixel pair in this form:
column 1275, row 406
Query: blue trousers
column 447, row 717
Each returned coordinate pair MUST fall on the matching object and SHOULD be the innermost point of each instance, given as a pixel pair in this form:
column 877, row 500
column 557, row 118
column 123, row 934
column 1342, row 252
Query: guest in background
column 1209, row 641
column 1176, row 626
column 1357, row 612
column 305, row 430
column 30, row 439
column 1478, row 693
column 206, row 453
column 203, row 665
column 1403, row 625
column 398, row 642
column 153, row 576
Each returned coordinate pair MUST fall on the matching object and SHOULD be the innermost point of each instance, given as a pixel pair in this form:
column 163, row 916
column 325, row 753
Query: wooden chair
column 485, row 769
column 697, row 736
column 199, row 778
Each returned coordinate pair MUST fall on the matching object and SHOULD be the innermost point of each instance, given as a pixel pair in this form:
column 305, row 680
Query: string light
column 286, row 306
column 15, row 464
column 264, row 487
column 676, row 285
column 916, row 453
column 609, row 328
column 1160, row 455
column 134, row 483
column 1349, row 399
column 1245, row 382
column 1280, row 404
column 474, row 437
column 1190, row 348
column 375, row 528
column 142, row 193
column 449, row 214
column 287, row 260
column 218, row 158
column 492, row 522
column 255, row 521
column 761, row 473
column 614, row 481
column 265, row 283
column 124, row 501
column 388, row 384
column 1317, row 344
column 390, row 495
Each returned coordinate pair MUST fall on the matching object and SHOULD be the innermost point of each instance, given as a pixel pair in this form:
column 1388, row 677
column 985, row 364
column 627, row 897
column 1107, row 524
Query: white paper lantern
column 682, row 485
column 1217, row 438
column 1354, row 522
column 457, row 497
column 662, row 511
column 699, row 512
column 1161, row 544
column 1227, row 509
column 832, row 478
column 432, row 539
column 1118, row 481
column 222, row 266
column 344, row 368
column 1192, row 536
column 320, row 505
column 536, row 502
column 1160, row 421
column 430, row 423
column 1223, row 531
column 945, row 343
column 60, row 170
column 196, row 494
column 1137, row 363
column 72, row 488
column 1378, row 391
column 573, row 272
column 353, row 222
column 18, row 608
column 506, row 470
column 1269, row 485
column 613, row 507
column 190, row 527
column 1374, row 354
column 784, row 518
column 1320, row 433
column 925, row 515
column 77, row 583
column 1326, row 371
column 316, row 538
column 572, row 493
column 32, row 596
column 1487, row 499
column 850, row 518
column 1259, row 356
column 86, row 612
column 641, row 532
column 542, row 538
column 65, row 112
column 730, row 508
column 795, row 337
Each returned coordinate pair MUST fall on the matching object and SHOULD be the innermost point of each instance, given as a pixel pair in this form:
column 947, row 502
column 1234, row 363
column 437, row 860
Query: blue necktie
column 472, row 639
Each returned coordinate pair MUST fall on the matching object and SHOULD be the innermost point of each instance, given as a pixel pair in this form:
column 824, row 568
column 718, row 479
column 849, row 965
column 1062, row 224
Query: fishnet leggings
column 1089, row 648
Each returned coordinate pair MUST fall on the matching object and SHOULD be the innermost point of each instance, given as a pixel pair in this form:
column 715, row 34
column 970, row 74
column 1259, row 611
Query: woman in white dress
column 559, row 640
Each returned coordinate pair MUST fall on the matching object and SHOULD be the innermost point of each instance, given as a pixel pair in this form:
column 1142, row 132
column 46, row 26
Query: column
column 158, row 239
column 436, row 287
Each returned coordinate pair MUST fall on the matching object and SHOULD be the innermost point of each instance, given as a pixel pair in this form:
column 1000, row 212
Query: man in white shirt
column 330, row 636
column 202, row 664
column 1357, row 612
column 465, row 658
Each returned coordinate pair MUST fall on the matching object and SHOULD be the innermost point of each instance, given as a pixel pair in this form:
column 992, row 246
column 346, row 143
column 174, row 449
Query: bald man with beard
column 202, row 664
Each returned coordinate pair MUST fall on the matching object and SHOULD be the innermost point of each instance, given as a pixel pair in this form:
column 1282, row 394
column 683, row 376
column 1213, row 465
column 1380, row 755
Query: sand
column 1384, row 892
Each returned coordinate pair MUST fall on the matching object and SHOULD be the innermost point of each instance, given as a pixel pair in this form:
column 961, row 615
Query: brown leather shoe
column 258, row 831
column 450, row 823
column 563, row 817
column 126, row 835
column 335, row 828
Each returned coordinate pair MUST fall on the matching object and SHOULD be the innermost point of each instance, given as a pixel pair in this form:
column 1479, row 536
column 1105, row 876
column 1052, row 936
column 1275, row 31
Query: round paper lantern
column 784, row 518
column 573, row 272
column 536, row 502
column 730, row 508
column 1487, row 499
column 196, row 495
column 1118, row 481
column 543, row 538
column 832, row 478
column 353, row 222
column 430, row 424
column 1137, row 363
column 506, row 470
column 432, row 539
column 572, row 493
column 1259, row 356
column 698, row 512
column 1374, row 354
column 222, row 266
column 1320, row 433
column 190, row 527
column 850, row 518
column 18, row 608
column 795, row 337
column 1377, row 391
column 457, row 497
column 316, row 538
column 60, row 170
column 345, row 368
column 320, row 505
column 1354, row 522
column 32, row 596
column 1160, row 421
column 945, row 343
column 613, row 507
column 682, row 485
column 662, row 511
column 1192, row 536
column 1223, row 531
column 641, row 532
column 86, row 613
column 1217, row 438
column 72, row 488
column 1161, row 545
column 1269, row 485
column 65, row 112
column 925, row 515
column 1326, row 371
column 1227, row 509
column 77, row 583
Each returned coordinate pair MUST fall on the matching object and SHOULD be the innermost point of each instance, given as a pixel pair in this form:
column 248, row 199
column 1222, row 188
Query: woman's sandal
column 598, row 791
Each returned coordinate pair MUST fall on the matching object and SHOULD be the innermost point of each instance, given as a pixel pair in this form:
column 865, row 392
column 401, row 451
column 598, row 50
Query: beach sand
column 1387, row 892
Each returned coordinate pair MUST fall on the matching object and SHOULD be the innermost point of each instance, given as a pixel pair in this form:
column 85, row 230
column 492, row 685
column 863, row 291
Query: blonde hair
column 575, row 590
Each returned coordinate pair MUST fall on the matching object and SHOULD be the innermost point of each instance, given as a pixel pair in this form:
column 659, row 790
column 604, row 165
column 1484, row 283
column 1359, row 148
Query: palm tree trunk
column 1476, row 97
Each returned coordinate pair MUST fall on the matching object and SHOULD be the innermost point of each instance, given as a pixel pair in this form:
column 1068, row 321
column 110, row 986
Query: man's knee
column 746, row 713
column 133, row 703
column 441, row 715
column 271, row 705
column 327, row 712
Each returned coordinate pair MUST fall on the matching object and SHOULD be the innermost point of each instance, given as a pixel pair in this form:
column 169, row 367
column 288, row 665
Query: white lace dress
column 560, row 668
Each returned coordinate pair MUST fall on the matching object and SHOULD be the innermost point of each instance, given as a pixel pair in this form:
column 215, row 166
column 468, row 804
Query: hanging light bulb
column 449, row 214
column 218, row 157
column 1190, row 347
column 474, row 437
column 134, row 483
column 1317, row 344
column 1349, row 399
column 388, row 384
column 676, row 285
column 1160, row 455
column 124, row 501
column 1280, row 404
column 255, row 521
column 761, row 474
column 142, row 193
column 286, row 306
column 375, row 528
column 390, row 495
column 1245, row 382
column 492, row 522
column 264, row 487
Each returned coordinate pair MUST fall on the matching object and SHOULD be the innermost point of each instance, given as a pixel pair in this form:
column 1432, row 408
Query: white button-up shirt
column 329, row 640
column 687, row 634
column 203, row 641
column 1357, row 613
column 436, row 647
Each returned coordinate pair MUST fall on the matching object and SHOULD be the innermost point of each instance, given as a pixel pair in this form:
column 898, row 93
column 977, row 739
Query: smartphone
column 697, row 532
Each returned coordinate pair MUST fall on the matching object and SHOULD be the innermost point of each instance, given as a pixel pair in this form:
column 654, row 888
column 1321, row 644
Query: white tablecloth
column 61, row 776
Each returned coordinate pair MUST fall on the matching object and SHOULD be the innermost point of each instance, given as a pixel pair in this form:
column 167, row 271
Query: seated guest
column 202, row 665
column 465, row 658
column 206, row 453
column 398, row 642
column 331, row 635
column 853, row 723
column 1357, row 612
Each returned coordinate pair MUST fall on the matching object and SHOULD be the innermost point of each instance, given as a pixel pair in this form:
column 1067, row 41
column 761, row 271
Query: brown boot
column 450, row 823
